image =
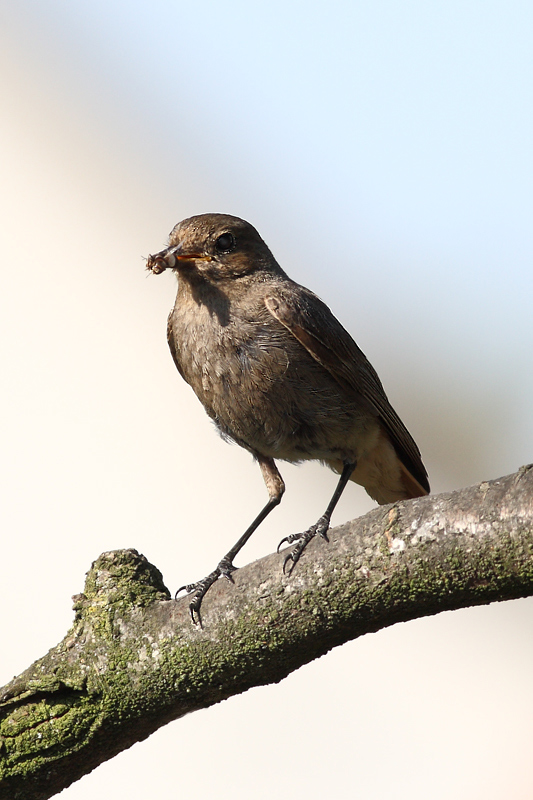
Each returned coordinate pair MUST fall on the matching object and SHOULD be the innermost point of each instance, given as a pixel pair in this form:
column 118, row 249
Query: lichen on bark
column 133, row 661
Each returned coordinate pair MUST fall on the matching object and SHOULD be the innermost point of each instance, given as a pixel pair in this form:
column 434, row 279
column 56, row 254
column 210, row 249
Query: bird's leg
column 321, row 527
column 276, row 487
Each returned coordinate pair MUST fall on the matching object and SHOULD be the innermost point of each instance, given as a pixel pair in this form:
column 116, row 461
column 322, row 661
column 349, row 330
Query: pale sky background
column 384, row 150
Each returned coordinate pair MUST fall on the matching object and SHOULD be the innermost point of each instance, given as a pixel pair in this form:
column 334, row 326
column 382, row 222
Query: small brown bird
column 278, row 374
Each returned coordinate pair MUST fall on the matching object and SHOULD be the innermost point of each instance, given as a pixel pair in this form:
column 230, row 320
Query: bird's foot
column 200, row 588
column 302, row 540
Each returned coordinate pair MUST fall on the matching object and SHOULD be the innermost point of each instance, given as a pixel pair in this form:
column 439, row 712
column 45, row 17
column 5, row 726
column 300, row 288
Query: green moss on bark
column 133, row 661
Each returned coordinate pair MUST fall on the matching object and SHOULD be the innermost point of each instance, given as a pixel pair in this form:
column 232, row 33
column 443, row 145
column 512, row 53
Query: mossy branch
column 133, row 661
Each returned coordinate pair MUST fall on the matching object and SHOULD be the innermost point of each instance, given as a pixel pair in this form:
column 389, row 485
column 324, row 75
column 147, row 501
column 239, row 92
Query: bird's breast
column 261, row 387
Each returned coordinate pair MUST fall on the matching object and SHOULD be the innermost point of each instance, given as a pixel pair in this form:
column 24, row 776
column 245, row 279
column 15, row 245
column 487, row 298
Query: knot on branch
column 121, row 578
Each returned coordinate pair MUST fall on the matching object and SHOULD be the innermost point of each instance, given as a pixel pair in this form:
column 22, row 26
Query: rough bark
column 133, row 661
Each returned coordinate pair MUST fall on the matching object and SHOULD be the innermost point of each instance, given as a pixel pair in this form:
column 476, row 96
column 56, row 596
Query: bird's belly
column 280, row 403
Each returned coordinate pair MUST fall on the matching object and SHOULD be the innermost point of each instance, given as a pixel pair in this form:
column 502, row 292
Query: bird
column 279, row 375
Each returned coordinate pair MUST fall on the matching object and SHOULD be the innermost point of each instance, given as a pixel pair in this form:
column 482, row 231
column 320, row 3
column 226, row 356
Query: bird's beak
column 168, row 259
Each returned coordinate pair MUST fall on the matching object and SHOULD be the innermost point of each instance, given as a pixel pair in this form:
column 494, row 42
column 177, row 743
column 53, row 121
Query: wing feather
column 312, row 323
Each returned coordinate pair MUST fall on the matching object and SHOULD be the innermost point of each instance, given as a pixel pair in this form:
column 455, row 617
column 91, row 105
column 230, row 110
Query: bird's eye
column 225, row 243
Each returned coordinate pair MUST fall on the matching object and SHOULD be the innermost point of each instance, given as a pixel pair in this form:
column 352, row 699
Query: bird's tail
column 384, row 476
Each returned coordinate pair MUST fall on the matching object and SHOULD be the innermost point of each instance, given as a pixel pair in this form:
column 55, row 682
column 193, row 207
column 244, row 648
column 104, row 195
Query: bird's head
column 213, row 247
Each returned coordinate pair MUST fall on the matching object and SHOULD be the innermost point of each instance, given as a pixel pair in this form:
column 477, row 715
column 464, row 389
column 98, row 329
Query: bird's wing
column 311, row 322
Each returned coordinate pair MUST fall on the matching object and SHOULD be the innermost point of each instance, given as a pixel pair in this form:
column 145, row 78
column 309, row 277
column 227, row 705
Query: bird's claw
column 200, row 588
column 287, row 559
column 302, row 540
column 188, row 588
column 289, row 539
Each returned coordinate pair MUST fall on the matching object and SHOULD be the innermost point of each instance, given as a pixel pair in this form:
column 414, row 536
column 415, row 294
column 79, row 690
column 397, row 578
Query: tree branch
column 133, row 661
